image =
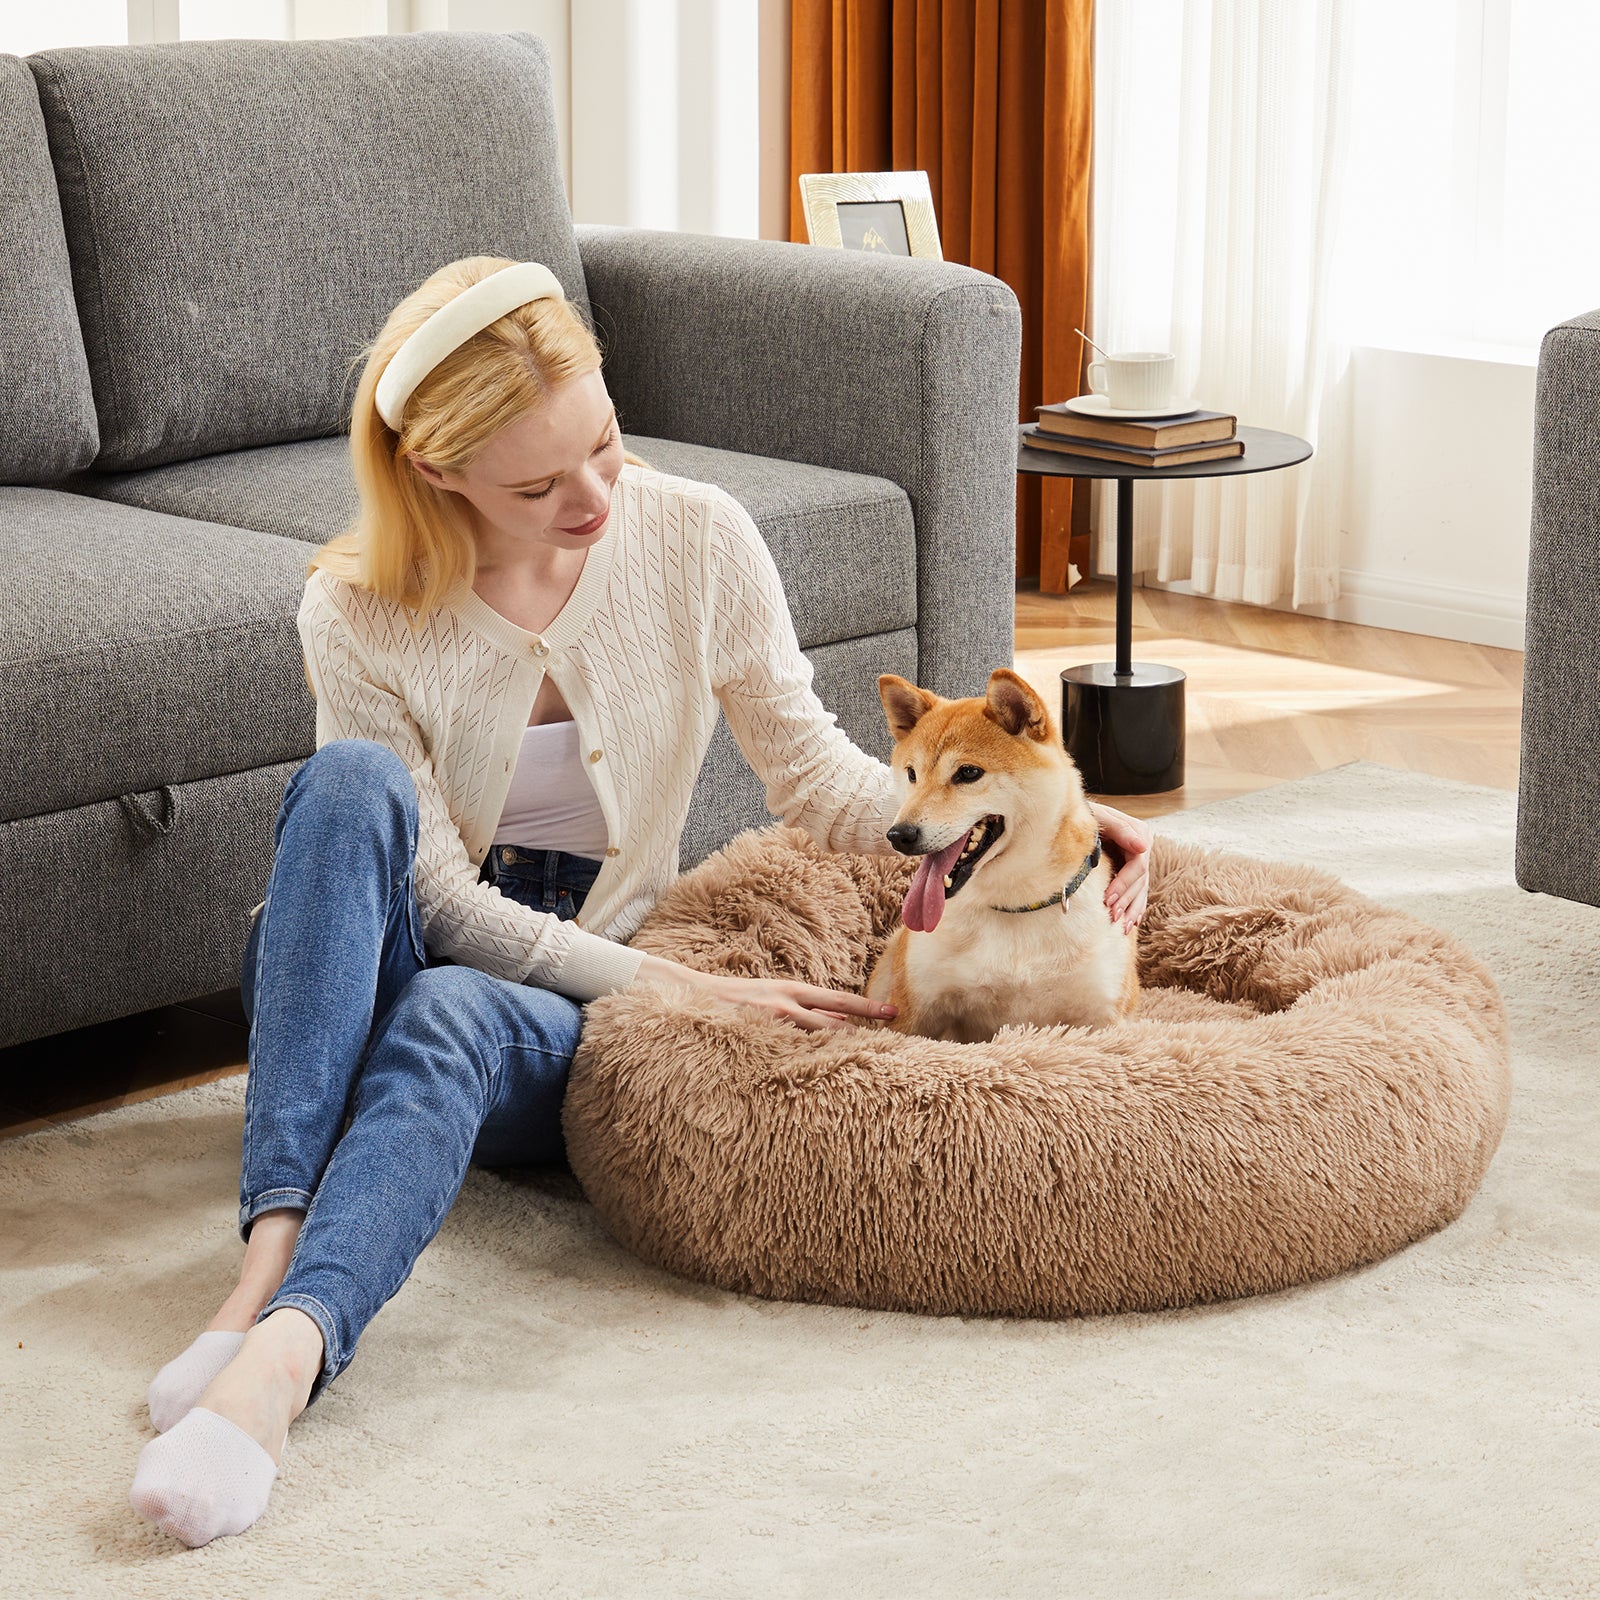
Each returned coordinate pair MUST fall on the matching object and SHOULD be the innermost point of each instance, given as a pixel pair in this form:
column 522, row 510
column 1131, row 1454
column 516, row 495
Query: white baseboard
column 1439, row 610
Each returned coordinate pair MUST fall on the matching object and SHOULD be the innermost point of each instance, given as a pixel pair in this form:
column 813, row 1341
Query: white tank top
column 552, row 804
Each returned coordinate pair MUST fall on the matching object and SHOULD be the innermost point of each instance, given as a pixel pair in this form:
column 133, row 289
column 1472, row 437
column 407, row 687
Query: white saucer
column 1096, row 405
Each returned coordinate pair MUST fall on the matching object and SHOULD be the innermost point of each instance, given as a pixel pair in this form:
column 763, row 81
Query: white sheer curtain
column 1221, row 139
column 666, row 114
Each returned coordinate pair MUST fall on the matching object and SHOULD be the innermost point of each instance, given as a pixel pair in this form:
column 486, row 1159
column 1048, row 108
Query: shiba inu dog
column 1005, row 920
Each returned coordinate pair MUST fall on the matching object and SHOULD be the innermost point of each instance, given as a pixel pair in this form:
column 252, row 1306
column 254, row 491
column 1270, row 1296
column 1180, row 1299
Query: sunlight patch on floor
column 1275, row 687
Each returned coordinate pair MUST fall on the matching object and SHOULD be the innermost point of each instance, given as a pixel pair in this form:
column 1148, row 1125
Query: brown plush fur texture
column 1312, row 1082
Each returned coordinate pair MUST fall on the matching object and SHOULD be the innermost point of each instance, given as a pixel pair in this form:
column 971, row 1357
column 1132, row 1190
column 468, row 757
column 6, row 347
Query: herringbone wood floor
column 1271, row 696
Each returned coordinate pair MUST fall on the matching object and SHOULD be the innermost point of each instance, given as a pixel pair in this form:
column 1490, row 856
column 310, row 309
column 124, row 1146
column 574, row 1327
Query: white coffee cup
column 1136, row 380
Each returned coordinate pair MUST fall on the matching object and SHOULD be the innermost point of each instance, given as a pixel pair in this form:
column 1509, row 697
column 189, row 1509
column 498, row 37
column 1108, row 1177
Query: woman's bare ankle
column 266, row 1261
column 237, row 1314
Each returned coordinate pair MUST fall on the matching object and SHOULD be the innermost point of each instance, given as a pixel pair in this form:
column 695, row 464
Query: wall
column 1438, row 496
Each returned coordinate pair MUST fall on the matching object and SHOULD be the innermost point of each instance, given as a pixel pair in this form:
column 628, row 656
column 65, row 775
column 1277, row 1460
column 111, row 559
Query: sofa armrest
column 1558, row 829
column 906, row 369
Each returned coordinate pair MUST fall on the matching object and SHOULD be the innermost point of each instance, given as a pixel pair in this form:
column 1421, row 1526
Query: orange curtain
column 992, row 99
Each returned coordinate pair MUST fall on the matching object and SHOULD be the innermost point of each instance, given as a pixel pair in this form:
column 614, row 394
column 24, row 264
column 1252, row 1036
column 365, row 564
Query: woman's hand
column 1127, row 841
column 805, row 1005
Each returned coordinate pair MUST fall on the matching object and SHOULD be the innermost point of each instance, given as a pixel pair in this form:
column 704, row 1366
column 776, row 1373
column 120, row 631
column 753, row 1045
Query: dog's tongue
column 924, row 902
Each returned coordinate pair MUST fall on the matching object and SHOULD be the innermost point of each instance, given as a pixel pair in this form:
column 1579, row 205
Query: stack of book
column 1140, row 441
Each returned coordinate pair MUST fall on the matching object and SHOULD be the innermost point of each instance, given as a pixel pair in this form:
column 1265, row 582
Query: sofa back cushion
column 242, row 214
column 47, row 424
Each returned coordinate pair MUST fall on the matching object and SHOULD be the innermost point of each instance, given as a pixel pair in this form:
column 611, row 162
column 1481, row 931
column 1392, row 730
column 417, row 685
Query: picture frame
column 883, row 213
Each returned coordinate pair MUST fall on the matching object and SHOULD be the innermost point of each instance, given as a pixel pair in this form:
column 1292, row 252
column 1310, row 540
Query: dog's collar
column 1090, row 862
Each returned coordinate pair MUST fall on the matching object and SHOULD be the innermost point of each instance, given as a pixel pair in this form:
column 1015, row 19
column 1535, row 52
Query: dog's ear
column 904, row 704
column 1013, row 703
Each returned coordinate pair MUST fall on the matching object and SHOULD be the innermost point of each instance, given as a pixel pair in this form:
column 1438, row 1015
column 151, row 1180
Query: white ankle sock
column 180, row 1383
column 205, row 1476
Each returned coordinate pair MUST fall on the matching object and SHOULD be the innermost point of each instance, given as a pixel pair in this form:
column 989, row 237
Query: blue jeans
column 378, row 1070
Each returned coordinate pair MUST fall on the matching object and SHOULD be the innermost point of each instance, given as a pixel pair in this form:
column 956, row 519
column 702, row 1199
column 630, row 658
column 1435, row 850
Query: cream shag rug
column 537, row 1413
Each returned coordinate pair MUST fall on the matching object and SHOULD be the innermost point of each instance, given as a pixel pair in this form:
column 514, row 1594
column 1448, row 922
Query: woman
column 518, row 652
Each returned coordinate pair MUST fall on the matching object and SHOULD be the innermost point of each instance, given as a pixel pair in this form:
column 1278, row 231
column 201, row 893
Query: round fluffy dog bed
column 1311, row 1081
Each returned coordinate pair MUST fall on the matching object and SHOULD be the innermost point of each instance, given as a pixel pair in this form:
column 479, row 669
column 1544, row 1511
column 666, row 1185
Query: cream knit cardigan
column 678, row 609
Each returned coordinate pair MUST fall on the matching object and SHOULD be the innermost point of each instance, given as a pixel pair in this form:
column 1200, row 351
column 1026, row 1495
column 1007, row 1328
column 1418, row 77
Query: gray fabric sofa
column 1558, row 789
column 196, row 242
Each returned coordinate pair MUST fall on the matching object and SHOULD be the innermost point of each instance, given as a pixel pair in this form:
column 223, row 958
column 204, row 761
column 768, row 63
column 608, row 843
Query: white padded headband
column 454, row 323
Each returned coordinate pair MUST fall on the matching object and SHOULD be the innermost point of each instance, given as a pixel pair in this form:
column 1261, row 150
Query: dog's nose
column 906, row 837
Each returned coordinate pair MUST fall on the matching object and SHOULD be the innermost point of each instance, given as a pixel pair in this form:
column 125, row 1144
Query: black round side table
column 1123, row 721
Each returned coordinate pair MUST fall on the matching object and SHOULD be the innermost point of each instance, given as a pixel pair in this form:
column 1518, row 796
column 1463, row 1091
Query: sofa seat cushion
column 139, row 650
column 825, row 528
column 300, row 491
column 844, row 543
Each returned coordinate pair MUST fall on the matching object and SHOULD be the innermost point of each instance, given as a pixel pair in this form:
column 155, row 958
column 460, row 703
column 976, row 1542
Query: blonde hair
column 411, row 543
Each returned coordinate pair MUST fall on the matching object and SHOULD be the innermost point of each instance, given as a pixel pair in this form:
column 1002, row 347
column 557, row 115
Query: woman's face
column 545, row 478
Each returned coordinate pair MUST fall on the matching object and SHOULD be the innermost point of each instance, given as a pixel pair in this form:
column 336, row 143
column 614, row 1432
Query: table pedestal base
column 1124, row 731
